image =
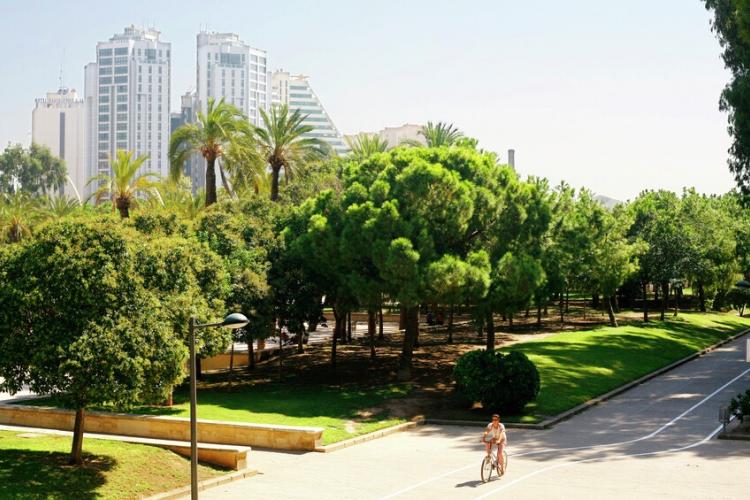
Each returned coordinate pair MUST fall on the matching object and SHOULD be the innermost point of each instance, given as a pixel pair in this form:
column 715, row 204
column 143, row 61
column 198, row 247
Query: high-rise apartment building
column 187, row 115
column 230, row 69
column 296, row 92
column 127, row 100
column 58, row 123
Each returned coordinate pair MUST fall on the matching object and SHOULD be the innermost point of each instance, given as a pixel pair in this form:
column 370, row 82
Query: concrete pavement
column 653, row 441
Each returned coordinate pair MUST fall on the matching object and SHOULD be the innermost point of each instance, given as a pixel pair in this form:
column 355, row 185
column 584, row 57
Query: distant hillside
column 606, row 200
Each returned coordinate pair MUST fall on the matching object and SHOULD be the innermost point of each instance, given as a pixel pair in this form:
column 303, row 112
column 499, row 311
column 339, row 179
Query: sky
column 617, row 97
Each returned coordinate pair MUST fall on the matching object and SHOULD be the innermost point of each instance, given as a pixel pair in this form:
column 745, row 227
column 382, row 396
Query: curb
column 204, row 485
column 546, row 424
column 369, row 436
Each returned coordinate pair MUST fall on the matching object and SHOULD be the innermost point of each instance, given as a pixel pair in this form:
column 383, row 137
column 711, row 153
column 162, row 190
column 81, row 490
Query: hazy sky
column 615, row 96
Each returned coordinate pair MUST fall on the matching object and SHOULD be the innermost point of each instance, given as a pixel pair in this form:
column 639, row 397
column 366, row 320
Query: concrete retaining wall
column 280, row 437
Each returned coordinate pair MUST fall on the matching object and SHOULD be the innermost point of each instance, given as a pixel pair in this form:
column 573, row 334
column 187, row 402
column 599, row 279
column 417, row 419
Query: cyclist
column 494, row 433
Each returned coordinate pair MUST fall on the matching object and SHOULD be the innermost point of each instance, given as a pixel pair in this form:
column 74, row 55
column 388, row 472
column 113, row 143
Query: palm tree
column 60, row 206
column 178, row 197
column 283, row 145
column 123, row 186
column 17, row 213
column 221, row 125
column 440, row 134
column 365, row 145
column 246, row 169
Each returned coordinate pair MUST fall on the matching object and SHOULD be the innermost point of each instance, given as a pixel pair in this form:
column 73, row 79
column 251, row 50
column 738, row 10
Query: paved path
column 654, row 441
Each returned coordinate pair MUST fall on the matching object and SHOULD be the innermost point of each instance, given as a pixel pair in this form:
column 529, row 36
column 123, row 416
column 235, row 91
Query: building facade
column 58, row 123
column 127, row 101
column 228, row 68
column 296, row 92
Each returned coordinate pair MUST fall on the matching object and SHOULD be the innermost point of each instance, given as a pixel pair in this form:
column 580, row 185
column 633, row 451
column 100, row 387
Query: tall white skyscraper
column 57, row 122
column 296, row 92
column 127, row 100
column 229, row 68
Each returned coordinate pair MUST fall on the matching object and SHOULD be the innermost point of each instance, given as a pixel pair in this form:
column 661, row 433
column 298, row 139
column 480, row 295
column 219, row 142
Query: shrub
column 738, row 298
column 502, row 382
column 740, row 406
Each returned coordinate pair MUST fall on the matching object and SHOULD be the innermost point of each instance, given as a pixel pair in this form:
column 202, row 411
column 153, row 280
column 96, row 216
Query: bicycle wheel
column 503, row 468
column 486, row 469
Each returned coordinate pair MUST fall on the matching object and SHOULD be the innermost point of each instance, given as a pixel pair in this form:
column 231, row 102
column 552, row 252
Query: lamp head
column 235, row 320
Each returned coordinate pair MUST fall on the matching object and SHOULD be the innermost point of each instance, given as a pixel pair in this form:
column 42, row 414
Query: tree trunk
column 656, row 293
column 510, row 321
column 616, row 303
column 527, row 311
column 75, row 452
column 611, row 312
column 371, row 327
column 490, row 322
column 701, row 298
column 123, row 206
column 567, row 301
column 301, row 339
column 450, row 325
column 380, row 326
column 664, row 298
column 231, row 364
column 275, row 172
column 337, row 331
column 410, row 335
column 595, row 301
column 402, row 318
column 281, row 354
column 349, row 328
column 562, row 309
column 546, row 311
column 198, row 368
column 312, row 326
column 538, row 316
column 645, row 302
column 250, row 354
column 676, row 293
column 210, row 181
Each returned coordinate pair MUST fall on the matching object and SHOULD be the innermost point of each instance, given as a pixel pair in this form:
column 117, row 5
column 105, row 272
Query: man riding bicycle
column 494, row 433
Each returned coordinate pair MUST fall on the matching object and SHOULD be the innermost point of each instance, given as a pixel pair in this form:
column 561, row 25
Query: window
column 122, row 107
column 121, row 70
column 121, row 79
column 103, row 146
column 103, row 127
column 122, row 88
column 150, row 54
column 105, row 71
column 103, row 108
column 106, row 61
column 103, row 118
column 122, row 136
column 104, row 137
column 103, row 98
column 121, row 60
column 103, row 156
column 122, row 117
column 121, row 51
column 105, row 80
column 105, row 52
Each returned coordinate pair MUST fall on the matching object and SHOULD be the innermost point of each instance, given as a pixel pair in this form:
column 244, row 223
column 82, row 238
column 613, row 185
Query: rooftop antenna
column 62, row 71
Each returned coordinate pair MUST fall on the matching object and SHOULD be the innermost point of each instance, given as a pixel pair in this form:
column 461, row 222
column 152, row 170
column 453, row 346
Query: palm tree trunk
column 123, row 206
column 210, row 181
column 275, row 172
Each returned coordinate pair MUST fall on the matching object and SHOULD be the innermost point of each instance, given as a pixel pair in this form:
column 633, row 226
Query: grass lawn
column 343, row 412
column 37, row 467
column 577, row 366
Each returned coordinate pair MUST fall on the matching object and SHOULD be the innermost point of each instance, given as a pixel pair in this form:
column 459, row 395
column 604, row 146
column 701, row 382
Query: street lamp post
column 234, row 320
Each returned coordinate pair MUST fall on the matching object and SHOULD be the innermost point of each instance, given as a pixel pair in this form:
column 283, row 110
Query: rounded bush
column 503, row 383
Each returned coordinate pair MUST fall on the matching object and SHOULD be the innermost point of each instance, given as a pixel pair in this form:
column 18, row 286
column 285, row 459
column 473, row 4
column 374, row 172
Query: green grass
column 336, row 409
column 577, row 366
column 36, row 467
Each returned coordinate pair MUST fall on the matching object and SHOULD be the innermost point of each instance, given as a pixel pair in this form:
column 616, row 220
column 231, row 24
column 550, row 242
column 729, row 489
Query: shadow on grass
column 40, row 474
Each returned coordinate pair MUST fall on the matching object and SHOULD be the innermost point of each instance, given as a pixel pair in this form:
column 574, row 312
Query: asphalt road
column 654, row 441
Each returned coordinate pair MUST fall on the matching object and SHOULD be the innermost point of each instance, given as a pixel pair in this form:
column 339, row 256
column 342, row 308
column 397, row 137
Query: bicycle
column 490, row 463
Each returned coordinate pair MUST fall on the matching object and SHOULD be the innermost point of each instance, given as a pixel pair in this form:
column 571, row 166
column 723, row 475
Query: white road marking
column 551, row 450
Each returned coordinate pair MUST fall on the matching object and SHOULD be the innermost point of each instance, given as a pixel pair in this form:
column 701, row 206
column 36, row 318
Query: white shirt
column 495, row 432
